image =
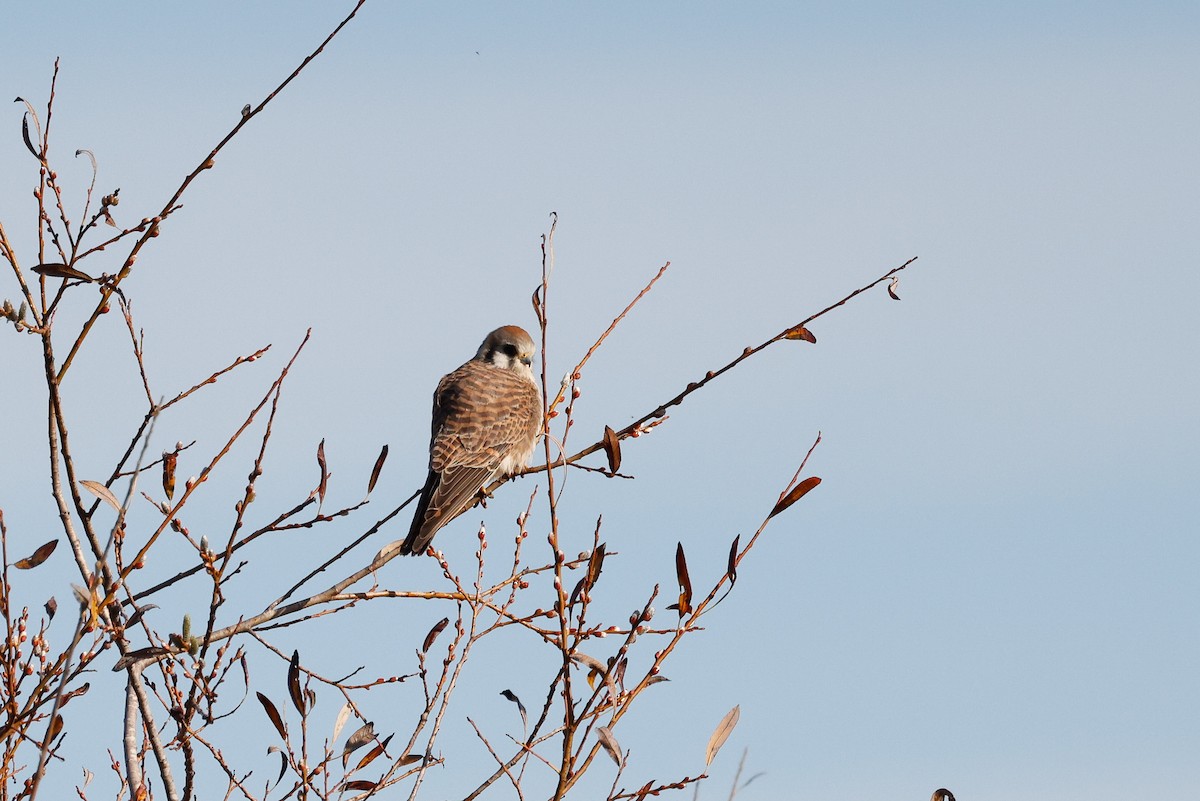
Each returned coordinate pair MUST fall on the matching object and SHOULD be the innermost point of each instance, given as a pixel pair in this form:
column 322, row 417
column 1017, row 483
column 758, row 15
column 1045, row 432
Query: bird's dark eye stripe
column 509, row 349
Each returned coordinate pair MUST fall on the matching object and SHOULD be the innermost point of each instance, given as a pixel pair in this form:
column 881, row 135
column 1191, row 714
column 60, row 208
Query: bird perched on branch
column 486, row 418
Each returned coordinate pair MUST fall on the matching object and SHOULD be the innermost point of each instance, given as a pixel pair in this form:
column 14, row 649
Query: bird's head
column 510, row 348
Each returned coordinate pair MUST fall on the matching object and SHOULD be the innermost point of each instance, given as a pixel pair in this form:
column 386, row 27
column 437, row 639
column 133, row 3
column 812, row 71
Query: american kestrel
column 486, row 418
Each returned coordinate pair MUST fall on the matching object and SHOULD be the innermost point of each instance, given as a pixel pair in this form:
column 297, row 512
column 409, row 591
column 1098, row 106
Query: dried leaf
column 273, row 714
column 801, row 333
column 108, row 218
column 892, row 288
column 56, row 726
column 387, row 551
column 282, row 762
column 324, row 471
column 28, row 140
column 51, row 607
column 37, row 557
column 58, row 270
column 721, row 734
column 168, row 464
column 656, row 680
column 410, row 759
column 293, row 683
column 338, row 724
column 373, row 754
column 595, row 565
column 510, row 695
column 685, row 583
column 375, row 470
column 537, row 305
column 731, row 568
column 363, row 735
column 644, row 791
column 437, row 629
column 606, row 738
column 358, row 784
column 575, row 593
column 612, row 448
column 797, row 492
column 102, row 492
column 136, row 617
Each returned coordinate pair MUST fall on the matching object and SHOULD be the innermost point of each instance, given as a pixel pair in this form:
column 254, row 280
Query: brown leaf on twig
column 731, row 568
column 801, row 333
column 293, row 683
column 537, row 306
column 56, row 726
column 324, row 471
column 363, row 735
column 723, row 730
column 510, row 695
column 685, row 583
column 612, row 448
column 595, row 565
column 375, row 470
column 273, row 714
column 102, row 492
column 37, row 557
column 409, row 759
column 606, row 738
column 108, row 218
column 359, row 784
column 892, row 288
column 59, row 270
column 437, row 629
column 28, row 140
column 51, row 607
column 168, row 463
column 798, row 492
column 373, row 753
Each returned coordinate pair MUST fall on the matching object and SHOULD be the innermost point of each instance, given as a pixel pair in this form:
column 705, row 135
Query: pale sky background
column 994, row 590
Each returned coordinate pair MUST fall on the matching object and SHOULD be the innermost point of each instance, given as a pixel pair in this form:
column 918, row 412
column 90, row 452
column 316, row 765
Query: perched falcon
column 486, row 418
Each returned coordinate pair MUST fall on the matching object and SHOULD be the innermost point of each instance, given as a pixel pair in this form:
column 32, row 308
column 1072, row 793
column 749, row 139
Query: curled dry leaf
column 324, row 471
column 343, row 716
column 721, row 734
column 409, row 759
column 102, row 492
column 731, row 567
column 37, row 557
column 595, row 565
column 374, row 753
column 59, row 270
column 169, row 461
column 363, row 735
column 376, row 469
column 282, row 761
column 612, row 449
column 273, row 714
column 895, row 282
column 801, row 333
column 358, row 784
column 293, row 683
column 606, row 738
column 51, row 607
column 797, row 492
column 437, row 629
column 537, row 306
column 685, row 583
column 510, row 695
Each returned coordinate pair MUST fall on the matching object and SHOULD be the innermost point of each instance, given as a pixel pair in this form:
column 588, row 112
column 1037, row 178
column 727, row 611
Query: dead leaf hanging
column 612, row 449
column 376, row 469
column 606, row 738
column 797, row 492
column 721, row 734
column 273, row 714
column 293, row 683
column 37, row 557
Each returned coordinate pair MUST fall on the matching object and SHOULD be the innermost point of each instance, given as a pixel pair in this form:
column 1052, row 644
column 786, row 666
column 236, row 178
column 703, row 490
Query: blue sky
column 994, row 588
